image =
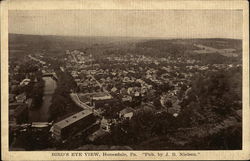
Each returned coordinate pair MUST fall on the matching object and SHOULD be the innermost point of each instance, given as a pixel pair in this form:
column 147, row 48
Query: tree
column 213, row 108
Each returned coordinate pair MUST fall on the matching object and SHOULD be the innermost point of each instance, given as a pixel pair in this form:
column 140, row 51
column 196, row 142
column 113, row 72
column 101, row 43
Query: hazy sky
column 139, row 23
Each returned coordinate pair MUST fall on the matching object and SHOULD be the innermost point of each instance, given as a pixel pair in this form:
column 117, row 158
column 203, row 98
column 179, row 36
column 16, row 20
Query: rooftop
column 101, row 96
column 73, row 118
column 126, row 110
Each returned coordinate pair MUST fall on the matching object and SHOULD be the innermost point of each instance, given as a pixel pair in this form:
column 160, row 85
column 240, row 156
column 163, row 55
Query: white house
column 127, row 112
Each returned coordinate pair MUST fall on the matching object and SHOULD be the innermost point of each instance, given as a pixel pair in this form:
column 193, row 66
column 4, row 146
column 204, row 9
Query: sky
column 129, row 23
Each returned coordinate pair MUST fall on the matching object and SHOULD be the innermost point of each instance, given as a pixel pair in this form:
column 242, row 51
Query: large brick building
column 73, row 124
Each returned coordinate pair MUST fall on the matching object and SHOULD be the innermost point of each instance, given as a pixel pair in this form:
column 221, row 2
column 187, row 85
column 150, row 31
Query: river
column 42, row 114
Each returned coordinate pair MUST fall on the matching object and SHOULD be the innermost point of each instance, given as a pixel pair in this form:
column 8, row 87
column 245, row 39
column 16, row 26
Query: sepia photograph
column 125, row 80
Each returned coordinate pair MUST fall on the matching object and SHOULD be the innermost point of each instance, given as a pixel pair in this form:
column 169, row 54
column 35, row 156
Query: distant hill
column 19, row 43
column 27, row 44
column 182, row 45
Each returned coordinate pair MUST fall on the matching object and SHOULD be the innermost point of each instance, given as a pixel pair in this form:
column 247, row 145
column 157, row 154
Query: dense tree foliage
column 61, row 101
